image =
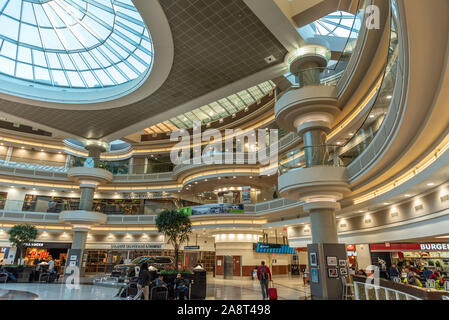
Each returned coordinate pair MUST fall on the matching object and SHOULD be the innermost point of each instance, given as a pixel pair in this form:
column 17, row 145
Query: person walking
column 264, row 276
column 143, row 281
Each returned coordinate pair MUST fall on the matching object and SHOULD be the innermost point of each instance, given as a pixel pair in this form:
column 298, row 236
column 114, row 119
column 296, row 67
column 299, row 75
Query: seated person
column 10, row 275
column 412, row 278
column 437, row 277
column 427, row 273
column 180, row 286
column 360, row 272
column 159, row 282
column 394, row 272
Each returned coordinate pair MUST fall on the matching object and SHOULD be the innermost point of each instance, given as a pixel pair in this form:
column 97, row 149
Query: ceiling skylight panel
column 28, row 16
column 108, row 37
column 39, row 58
column 90, row 79
column 246, row 97
column 24, row 71
column 13, row 9
column 41, row 17
column 9, row 27
column 24, row 55
column 29, row 35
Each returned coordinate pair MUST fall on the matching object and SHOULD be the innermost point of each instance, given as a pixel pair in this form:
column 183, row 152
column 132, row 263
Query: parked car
column 123, row 271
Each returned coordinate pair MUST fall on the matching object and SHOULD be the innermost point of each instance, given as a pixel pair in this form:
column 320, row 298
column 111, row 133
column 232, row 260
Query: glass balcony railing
column 332, row 73
column 33, row 164
column 310, row 156
column 109, row 207
column 375, row 117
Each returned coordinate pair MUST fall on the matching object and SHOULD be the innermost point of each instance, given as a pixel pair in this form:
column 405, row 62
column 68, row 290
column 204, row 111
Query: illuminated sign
column 273, row 248
column 435, row 246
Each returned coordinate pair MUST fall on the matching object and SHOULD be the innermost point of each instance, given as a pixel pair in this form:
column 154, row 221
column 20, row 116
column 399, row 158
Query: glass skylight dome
column 333, row 30
column 337, row 24
column 74, row 44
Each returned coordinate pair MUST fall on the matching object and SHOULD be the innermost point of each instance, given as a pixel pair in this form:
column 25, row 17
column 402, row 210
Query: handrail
column 380, row 289
column 332, row 74
column 374, row 118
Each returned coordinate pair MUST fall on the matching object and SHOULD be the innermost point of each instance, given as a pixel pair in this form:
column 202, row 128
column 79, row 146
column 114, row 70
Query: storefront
column 430, row 255
column 4, row 253
column 46, row 251
column 101, row 258
column 352, row 254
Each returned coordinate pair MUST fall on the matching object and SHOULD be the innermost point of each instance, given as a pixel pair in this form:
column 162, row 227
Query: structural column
column 87, row 197
column 310, row 110
column 323, row 225
column 89, row 178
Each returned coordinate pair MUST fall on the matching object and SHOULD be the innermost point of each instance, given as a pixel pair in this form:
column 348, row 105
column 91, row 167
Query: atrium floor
column 217, row 289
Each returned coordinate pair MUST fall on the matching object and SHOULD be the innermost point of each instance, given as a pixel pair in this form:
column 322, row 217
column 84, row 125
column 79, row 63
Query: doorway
column 190, row 259
column 228, row 267
column 237, row 267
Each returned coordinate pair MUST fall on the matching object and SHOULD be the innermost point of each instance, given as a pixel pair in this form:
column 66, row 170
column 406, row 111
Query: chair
column 159, row 293
column 44, row 277
column 430, row 283
column 446, row 286
column 348, row 289
column 4, row 277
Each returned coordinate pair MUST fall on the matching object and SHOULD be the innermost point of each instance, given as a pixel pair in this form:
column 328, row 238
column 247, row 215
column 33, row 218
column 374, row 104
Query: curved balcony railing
column 49, row 210
column 34, row 164
column 310, row 156
column 380, row 289
column 331, row 74
column 374, row 118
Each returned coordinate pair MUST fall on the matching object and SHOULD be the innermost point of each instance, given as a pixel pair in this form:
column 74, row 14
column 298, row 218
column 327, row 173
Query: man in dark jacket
column 143, row 281
column 264, row 276
column 180, row 287
column 394, row 272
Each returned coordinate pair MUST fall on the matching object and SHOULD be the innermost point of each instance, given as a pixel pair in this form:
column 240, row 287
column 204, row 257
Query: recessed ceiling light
column 431, row 184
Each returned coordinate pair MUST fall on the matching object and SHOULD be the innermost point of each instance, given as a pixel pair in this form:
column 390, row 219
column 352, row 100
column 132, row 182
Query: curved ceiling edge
column 157, row 23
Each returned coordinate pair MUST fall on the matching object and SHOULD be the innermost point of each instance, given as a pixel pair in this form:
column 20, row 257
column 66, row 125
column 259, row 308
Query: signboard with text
column 442, row 246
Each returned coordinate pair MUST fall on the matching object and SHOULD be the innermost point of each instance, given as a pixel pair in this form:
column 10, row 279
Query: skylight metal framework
column 336, row 24
column 215, row 110
column 74, row 43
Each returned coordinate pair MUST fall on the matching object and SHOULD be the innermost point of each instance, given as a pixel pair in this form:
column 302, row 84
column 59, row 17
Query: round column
column 87, row 197
column 323, row 221
column 315, row 151
column 79, row 238
column 307, row 63
column 324, row 226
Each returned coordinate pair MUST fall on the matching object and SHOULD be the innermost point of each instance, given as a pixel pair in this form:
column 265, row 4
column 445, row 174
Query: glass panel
column 106, row 40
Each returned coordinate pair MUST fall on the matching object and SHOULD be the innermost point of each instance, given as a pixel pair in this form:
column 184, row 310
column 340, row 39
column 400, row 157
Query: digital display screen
column 273, row 248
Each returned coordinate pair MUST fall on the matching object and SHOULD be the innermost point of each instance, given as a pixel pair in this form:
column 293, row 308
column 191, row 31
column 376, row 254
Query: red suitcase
column 273, row 293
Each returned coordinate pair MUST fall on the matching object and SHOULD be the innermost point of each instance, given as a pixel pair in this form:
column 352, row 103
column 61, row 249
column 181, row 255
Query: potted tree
column 18, row 236
column 176, row 227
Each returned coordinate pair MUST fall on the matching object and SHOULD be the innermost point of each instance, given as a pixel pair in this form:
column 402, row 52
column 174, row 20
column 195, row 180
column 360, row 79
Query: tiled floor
column 217, row 289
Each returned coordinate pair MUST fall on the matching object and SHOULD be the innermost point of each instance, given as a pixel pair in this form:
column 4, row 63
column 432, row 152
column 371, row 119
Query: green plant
column 171, row 271
column 21, row 234
column 176, row 227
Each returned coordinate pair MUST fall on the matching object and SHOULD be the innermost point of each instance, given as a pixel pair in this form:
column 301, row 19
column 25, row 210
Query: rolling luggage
column 272, row 292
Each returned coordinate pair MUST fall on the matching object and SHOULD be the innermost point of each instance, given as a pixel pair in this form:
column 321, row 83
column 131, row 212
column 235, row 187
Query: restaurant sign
column 444, row 246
